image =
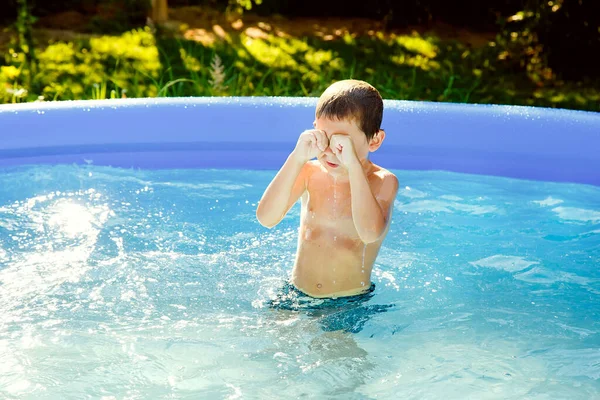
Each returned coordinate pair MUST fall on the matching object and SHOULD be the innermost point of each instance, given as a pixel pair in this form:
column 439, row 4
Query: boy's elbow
column 267, row 224
column 369, row 237
column 264, row 221
column 260, row 216
column 372, row 236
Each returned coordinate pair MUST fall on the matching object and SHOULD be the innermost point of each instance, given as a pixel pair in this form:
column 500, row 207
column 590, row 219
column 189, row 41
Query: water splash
column 363, row 259
column 334, row 211
column 152, row 284
column 334, row 198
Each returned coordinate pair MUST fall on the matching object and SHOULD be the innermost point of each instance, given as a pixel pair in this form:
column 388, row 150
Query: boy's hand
column 310, row 144
column 343, row 149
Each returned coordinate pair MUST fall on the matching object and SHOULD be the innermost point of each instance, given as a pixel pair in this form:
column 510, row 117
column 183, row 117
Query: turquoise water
column 129, row 284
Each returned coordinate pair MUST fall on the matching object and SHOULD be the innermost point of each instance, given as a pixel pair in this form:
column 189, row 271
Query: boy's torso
column 331, row 259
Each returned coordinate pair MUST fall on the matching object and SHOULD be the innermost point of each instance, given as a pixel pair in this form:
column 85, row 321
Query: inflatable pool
column 257, row 133
column 132, row 265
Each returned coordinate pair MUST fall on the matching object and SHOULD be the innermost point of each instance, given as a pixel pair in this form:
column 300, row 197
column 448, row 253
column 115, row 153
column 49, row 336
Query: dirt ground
column 207, row 25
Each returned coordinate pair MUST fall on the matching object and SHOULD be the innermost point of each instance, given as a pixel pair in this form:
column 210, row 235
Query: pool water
column 137, row 284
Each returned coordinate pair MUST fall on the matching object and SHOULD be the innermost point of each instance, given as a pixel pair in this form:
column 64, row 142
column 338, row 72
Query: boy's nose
column 328, row 150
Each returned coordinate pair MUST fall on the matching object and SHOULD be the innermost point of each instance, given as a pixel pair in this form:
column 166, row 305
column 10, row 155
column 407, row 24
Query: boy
column 346, row 199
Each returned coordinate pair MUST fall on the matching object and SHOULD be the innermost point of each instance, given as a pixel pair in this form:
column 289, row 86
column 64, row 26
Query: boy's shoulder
column 383, row 182
column 382, row 173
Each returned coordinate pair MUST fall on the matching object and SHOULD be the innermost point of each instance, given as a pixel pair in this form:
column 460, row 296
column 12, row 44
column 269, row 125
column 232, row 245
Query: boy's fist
column 343, row 148
column 310, row 144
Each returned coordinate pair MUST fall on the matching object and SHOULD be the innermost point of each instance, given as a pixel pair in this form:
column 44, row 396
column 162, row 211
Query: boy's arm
column 290, row 182
column 371, row 212
column 282, row 193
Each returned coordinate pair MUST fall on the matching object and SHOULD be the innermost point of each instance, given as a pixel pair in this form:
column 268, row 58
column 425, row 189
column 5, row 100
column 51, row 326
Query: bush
column 552, row 39
column 516, row 69
column 69, row 71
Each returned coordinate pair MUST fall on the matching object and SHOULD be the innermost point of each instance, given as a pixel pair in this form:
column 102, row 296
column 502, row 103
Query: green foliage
column 245, row 4
column 143, row 63
column 127, row 64
column 519, row 47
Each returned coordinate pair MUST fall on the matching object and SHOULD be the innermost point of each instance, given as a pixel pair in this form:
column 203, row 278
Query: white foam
column 545, row 276
column 411, row 193
column 577, row 214
column 451, row 197
column 443, row 206
column 506, row 263
column 474, row 209
column 548, row 202
column 423, row 206
column 386, row 275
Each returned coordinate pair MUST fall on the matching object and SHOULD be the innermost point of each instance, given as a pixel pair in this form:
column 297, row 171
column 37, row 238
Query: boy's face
column 341, row 127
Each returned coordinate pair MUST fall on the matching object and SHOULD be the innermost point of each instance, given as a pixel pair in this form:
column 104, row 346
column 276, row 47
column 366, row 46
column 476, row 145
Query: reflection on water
column 158, row 284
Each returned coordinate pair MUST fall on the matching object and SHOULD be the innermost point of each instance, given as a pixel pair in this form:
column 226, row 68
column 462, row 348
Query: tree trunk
column 160, row 11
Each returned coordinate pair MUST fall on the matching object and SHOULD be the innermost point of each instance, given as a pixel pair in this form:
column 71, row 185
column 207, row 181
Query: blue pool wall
column 259, row 132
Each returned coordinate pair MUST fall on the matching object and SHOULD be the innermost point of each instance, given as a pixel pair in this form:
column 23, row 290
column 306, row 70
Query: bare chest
column 327, row 219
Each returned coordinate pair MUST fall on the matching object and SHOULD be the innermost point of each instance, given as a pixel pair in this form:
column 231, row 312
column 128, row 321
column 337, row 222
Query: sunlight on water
column 157, row 284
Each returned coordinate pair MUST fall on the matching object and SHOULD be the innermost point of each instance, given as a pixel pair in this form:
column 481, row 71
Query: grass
column 263, row 61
